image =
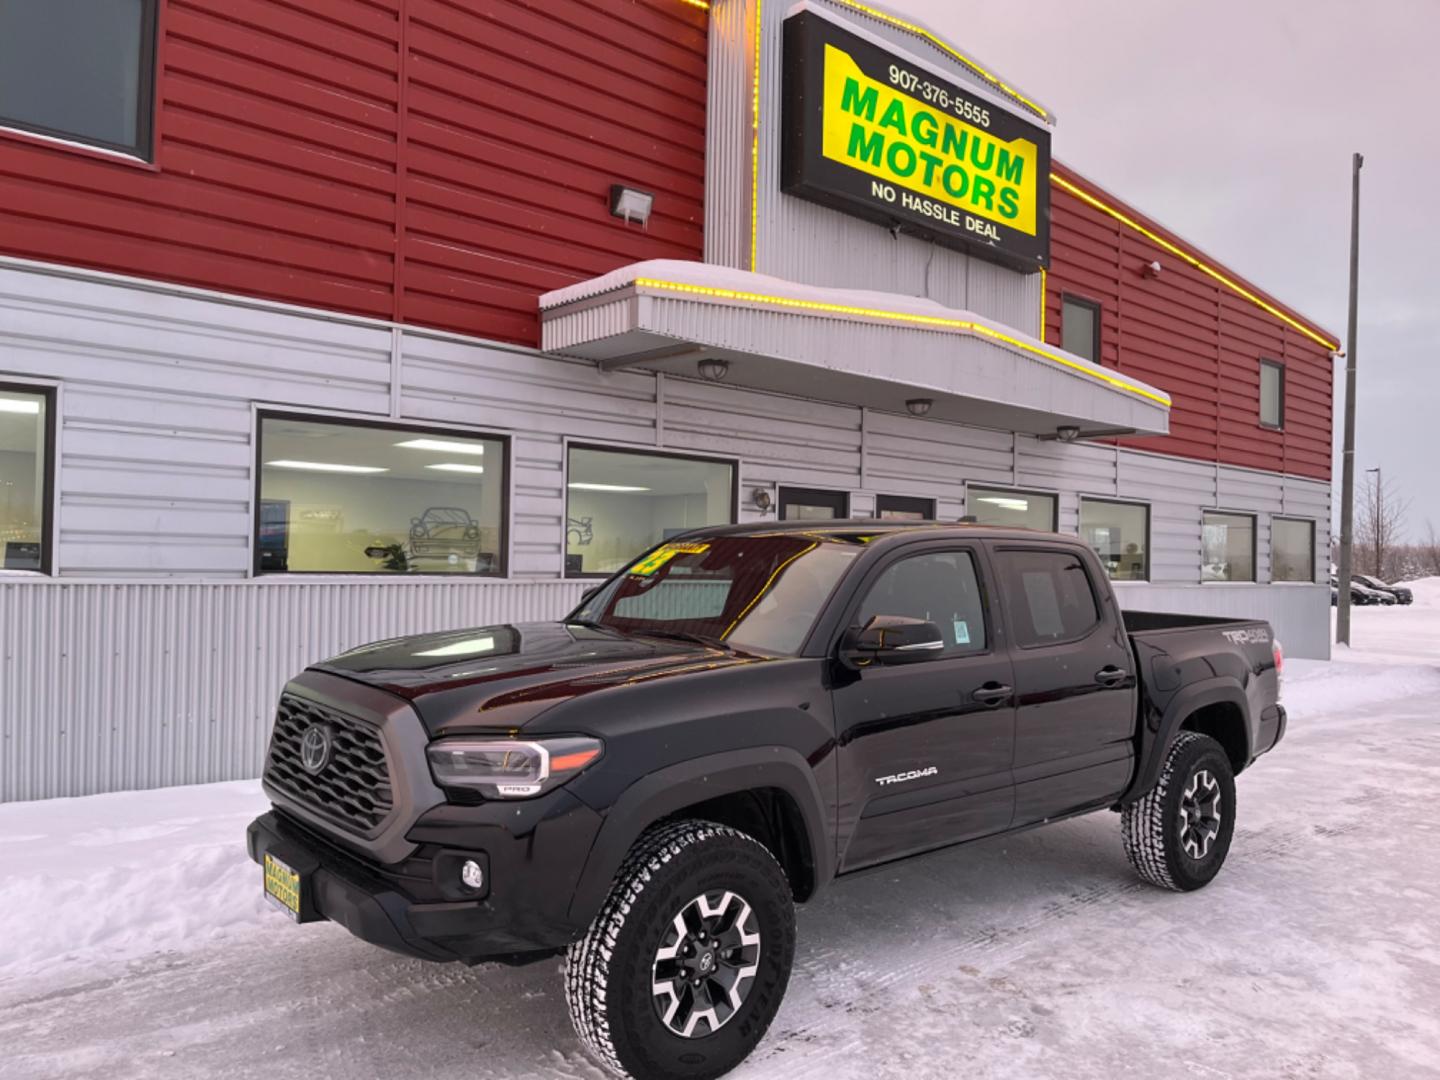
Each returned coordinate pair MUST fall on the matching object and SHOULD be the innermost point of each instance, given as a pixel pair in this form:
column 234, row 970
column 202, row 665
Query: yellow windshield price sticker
column 663, row 554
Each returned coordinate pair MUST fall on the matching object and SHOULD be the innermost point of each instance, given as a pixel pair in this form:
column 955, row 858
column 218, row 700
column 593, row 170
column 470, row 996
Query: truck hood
column 505, row 676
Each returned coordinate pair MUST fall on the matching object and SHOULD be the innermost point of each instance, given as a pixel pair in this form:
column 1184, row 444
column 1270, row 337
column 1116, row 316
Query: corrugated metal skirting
column 107, row 687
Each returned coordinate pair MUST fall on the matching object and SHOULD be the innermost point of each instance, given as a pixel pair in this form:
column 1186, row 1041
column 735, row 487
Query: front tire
column 1178, row 834
column 683, row 969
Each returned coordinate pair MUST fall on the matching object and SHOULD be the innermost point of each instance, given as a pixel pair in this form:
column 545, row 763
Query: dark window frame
column 783, row 489
column 1096, row 307
column 1096, row 596
column 47, row 447
column 905, row 504
column 502, row 570
column 1053, row 496
column 1279, row 425
column 643, row 451
column 145, row 105
column 1149, row 519
column 1254, row 577
column 1314, row 558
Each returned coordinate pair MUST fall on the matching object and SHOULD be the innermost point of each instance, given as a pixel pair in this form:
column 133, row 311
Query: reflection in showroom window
column 24, row 417
column 1292, row 549
column 1020, row 509
column 1227, row 547
column 352, row 498
column 1120, row 534
column 621, row 503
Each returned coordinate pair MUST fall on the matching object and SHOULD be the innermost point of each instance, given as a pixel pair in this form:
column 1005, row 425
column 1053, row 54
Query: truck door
column 925, row 746
column 1074, row 681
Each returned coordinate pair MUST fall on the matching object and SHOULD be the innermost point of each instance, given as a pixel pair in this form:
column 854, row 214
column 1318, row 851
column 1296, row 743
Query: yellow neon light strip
column 703, row 5
column 962, row 325
column 1044, row 292
column 944, row 47
column 766, row 588
column 755, row 149
column 1209, row 271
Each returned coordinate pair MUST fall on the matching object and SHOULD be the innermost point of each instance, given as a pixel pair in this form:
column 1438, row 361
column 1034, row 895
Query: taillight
column 1279, row 654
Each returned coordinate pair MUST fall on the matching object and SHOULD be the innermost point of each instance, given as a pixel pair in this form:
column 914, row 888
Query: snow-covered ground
column 135, row 944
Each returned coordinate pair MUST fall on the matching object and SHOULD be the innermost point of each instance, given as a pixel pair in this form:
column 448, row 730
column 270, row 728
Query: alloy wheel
column 1200, row 814
column 706, row 964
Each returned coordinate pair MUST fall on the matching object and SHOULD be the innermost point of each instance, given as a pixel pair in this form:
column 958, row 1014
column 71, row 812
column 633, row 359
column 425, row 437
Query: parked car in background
column 1361, row 595
column 1401, row 594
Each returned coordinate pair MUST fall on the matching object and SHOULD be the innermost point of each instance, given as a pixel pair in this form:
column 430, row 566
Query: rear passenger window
column 1049, row 594
column 940, row 587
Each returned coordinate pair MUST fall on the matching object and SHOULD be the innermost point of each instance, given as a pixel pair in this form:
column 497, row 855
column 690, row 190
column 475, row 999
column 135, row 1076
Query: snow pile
column 1315, row 687
column 1426, row 590
column 126, row 874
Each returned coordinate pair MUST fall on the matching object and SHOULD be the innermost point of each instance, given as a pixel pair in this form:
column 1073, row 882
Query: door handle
column 1110, row 675
column 992, row 694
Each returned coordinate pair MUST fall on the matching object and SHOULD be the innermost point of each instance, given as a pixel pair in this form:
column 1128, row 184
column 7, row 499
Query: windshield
column 760, row 592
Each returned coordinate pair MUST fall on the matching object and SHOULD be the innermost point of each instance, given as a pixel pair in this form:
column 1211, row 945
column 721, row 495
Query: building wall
column 151, row 659
column 1193, row 336
column 426, row 161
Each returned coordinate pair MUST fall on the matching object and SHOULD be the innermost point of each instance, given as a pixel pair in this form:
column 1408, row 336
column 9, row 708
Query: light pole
column 1347, row 483
column 1377, row 522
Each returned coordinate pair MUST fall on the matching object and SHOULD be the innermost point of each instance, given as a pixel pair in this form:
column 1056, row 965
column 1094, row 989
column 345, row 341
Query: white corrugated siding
column 107, row 686
column 169, row 676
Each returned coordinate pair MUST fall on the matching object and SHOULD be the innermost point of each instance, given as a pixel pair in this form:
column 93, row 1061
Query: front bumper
column 534, row 861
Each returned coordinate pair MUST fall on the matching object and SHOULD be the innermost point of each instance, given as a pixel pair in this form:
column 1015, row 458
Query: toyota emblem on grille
column 316, row 746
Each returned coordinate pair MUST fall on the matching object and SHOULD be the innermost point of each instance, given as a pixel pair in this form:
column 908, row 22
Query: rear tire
column 1178, row 834
column 636, row 984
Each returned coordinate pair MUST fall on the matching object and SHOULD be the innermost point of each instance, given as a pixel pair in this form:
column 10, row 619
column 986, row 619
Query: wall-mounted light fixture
column 761, row 498
column 919, row 406
column 1152, row 269
column 713, row 369
column 631, row 204
column 1067, row 433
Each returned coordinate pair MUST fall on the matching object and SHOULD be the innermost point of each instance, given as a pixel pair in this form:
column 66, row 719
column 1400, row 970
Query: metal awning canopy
column 847, row 346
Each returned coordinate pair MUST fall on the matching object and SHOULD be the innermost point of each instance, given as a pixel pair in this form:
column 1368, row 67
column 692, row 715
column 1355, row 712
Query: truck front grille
column 352, row 789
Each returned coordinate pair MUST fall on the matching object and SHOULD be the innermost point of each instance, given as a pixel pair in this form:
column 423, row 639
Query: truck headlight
column 507, row 768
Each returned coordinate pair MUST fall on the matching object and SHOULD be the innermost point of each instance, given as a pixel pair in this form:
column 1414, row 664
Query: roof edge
column 1103, row 200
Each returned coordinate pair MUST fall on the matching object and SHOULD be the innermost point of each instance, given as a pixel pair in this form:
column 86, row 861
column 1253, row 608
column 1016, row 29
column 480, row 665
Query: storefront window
column 347, row 498
column 621, row 503
column 1120, row 535
column 1292, row 550
column 1022, row 509
column 1227, row 547
column 904, row 508
column 24, row 420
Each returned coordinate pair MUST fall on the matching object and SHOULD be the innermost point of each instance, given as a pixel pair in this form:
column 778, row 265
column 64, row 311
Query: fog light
column 472, row 874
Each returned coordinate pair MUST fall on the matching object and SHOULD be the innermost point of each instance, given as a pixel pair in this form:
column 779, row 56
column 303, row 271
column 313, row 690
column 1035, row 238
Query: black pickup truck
column 740, row 717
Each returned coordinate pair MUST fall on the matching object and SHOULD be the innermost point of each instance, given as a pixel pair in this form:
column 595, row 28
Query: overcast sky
column 1233, row 122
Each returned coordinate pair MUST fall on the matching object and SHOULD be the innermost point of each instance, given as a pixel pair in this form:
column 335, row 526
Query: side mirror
column 891, row 639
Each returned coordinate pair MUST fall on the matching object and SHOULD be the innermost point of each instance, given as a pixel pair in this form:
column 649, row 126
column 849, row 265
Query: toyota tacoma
column 739, row 718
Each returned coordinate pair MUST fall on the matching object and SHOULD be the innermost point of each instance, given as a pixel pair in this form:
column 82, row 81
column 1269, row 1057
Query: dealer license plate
column 282, row 886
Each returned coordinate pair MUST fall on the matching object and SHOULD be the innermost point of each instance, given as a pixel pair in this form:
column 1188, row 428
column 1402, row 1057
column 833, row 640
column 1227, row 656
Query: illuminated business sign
column 872, row 133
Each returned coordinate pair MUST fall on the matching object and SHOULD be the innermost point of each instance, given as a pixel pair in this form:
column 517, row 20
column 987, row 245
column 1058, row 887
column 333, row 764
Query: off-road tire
column 609, row 972
column 1152, row 826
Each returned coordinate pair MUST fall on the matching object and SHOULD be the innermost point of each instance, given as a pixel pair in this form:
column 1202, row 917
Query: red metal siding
column 1192, row 336
column 436, row 161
